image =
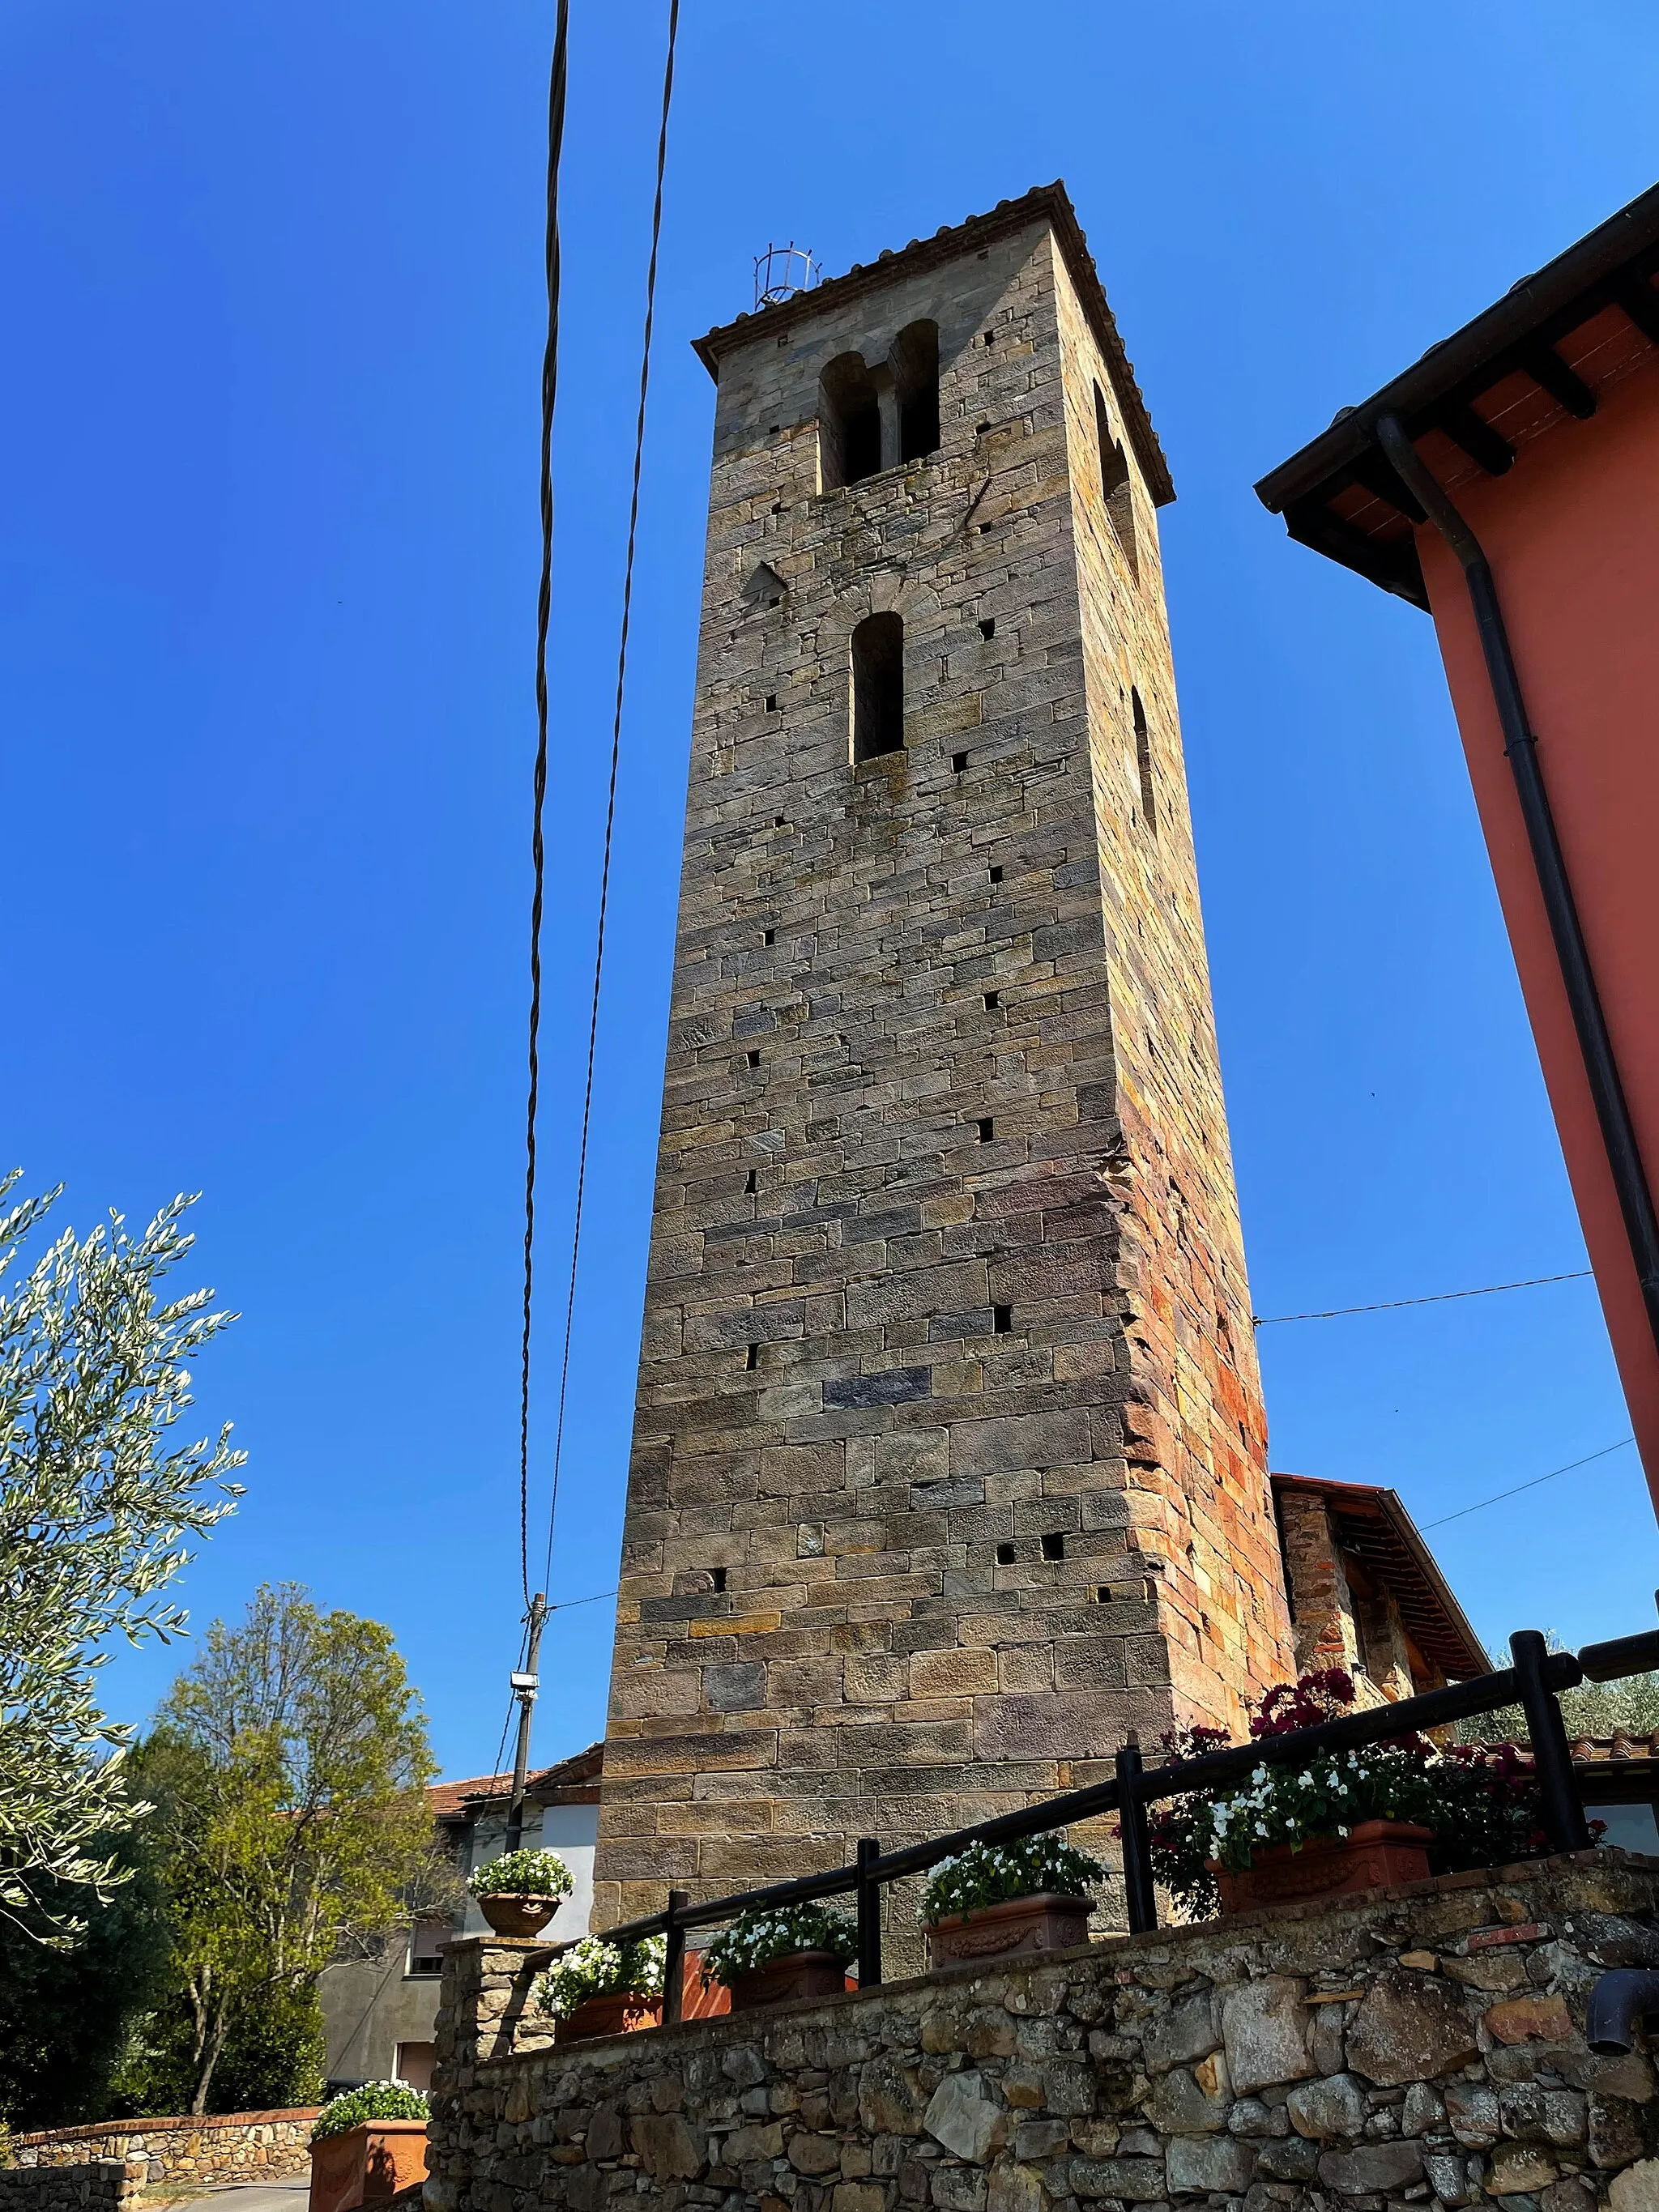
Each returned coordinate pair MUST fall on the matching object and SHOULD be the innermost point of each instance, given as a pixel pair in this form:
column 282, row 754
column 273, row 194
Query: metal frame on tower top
column 783, row 271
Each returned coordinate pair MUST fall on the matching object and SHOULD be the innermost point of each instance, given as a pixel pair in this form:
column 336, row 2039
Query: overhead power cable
column 1436, row 1299
column 616, row 759
column 556, row 92
column 1606, row 1451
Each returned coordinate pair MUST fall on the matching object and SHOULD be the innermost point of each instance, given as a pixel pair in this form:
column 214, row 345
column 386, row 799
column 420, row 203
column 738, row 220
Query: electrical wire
column 555, row 95
column 1438, row 1298
column 571, row 1602
column 1605, row 1452
column 616, row 758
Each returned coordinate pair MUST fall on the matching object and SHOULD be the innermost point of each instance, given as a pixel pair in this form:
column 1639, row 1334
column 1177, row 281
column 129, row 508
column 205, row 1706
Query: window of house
column 1115, row 488
column 414, row 2064
column 1144, row 761
column 849, row 423
column 914, row 363
column 427, row 1939
column 877, row 687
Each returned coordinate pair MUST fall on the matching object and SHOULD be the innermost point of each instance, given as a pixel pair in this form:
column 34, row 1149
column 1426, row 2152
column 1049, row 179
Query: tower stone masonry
column 949, row 1464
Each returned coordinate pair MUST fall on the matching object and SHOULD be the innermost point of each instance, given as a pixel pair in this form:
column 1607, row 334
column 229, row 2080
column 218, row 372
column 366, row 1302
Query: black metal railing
column 1532, row 1681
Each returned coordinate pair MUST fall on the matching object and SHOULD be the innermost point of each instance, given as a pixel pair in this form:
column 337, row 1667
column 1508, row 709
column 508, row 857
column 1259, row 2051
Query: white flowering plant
column 989, row 1874
column 758, row 1936
column 594, row 1968
column 1481, row 1802
column 522, row 1873
column 370, row 2101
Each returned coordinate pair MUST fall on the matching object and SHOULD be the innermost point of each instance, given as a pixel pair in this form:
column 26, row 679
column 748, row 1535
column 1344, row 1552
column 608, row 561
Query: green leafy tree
column 66, row 2013
column 97, row 1503
column 289, row 1763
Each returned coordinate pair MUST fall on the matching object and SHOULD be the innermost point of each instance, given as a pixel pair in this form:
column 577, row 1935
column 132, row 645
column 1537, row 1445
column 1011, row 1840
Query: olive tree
column 97, row 1503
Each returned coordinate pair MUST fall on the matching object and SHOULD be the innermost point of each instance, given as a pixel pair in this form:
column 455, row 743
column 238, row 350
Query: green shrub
column 990, row 1874
column 594, row 1968
column 375, row 2101
column 758, row 1936
column 522, row 1873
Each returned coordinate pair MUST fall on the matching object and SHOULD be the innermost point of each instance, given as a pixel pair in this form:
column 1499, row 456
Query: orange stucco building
column 1508, row 483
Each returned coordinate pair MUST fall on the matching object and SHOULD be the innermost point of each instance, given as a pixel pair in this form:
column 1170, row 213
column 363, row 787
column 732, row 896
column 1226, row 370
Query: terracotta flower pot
column 617, row 2012
column 1373, row 1855
column 1011, row 1929
column 801, row 1976
column 518, row 1916
column 366, row 2165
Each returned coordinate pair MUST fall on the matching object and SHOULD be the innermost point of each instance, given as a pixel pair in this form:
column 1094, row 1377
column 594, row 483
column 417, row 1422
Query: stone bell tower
column 949, row 1461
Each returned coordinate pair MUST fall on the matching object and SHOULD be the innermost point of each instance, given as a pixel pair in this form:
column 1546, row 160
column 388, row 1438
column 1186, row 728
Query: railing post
column 1563, row 1809
column 673, row 1968
column 868, row 1894
column 1136, row 1845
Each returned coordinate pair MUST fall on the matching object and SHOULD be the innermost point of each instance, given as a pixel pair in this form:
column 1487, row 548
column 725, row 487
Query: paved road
column 254, row 2196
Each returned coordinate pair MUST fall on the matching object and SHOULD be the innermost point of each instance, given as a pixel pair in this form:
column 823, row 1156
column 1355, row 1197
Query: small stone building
column 1365, row 1593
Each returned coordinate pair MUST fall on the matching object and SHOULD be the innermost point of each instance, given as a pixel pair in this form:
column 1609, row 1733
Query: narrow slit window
column 1053, row 1545
column 717, row 1576
column 1143, row 762
column 913, row 361
column 771, row 703
column 1002, row 1320
column 988, row 627
column 988, row 1128
column 752, row 1057
column 1005, row 1555
column 959, row 763
column 1115, row 482
column 996, row 875
column 752, row 1359
column 751, row 1183
column 877, row 687
column 993, row 1001
column 849, row 423
column 771, row 936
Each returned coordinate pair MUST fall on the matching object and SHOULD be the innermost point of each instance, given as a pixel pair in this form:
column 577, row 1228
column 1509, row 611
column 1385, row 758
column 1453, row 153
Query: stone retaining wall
column 221, row 2147
column 1418, row 2048
column 104, row 2184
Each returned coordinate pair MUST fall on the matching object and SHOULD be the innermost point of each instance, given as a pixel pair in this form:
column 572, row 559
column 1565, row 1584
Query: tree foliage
column 66, row 2013
column 288, row 1764
column 97, row 1503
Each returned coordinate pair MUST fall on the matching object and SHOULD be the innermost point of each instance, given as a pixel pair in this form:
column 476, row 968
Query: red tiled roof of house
column 450, row 1800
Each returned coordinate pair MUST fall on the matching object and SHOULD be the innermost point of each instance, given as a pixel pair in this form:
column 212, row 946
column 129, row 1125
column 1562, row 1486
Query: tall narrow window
column 877, row 687
column 1143, row 763
column 914, row 363
column 1115, row 488
column 849, row 423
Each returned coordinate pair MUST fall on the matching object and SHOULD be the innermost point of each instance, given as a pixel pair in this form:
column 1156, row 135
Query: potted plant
column 597, row 1988
column 781, row 1955
column 366, row 2145
column 1375, row 1817
column 997, row 1900
column 518, row 1892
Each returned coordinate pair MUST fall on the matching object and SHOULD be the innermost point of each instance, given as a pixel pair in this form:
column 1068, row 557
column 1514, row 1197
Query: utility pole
column 525, row 1687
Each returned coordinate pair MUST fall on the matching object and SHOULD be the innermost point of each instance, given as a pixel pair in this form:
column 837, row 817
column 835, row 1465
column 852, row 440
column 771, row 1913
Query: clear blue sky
column 267, row 548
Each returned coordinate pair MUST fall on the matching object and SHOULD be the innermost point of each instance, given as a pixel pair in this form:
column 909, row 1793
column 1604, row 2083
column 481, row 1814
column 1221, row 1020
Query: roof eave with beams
column 1537, row 358
column 1372, row 1523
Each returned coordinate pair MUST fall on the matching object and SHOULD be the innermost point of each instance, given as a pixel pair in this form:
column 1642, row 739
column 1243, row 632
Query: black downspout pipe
column 1521, row 750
